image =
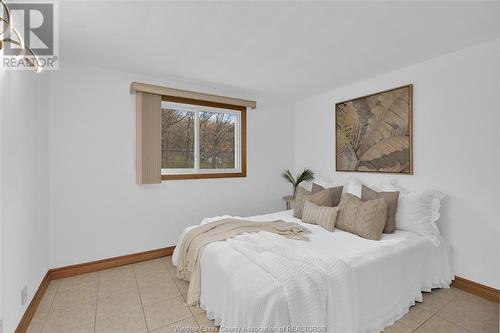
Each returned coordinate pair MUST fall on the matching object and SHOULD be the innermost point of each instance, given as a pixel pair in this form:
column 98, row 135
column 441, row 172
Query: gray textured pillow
column 316, row 188
column 329, row 197
column 363, row 218
column 392, row 205
column 335, row 194
column 323, row 216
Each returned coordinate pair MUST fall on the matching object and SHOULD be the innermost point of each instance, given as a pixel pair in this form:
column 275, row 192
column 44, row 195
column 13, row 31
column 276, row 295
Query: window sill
column 203, row 175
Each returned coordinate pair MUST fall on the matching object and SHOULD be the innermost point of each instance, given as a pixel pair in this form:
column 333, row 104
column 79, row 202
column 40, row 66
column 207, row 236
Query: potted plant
column 305, row 176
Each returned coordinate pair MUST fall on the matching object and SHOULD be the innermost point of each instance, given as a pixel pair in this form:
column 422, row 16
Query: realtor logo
column 36, row 24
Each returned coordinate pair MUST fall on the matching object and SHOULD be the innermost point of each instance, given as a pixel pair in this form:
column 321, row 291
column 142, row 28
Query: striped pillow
column 323, row 216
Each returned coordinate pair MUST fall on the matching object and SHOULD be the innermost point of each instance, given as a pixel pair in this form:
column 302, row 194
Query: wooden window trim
column 243, row 149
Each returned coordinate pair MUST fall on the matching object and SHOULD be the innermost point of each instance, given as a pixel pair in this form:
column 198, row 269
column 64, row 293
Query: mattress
column 390, row 276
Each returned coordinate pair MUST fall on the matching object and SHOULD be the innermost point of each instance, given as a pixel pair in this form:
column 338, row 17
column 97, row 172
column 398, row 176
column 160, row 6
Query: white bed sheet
column 390, row 275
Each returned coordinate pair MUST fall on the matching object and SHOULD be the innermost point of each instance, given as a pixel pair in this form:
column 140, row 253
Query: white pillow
column 418, row 212
column 390, row 185
column 355, row 185
column 350, row 183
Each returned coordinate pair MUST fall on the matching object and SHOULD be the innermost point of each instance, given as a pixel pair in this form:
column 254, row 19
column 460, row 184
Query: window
column 201, row 139
column 182, row 134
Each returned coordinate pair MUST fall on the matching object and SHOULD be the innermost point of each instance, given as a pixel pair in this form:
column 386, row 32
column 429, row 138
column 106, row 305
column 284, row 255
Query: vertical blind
column 148, row 138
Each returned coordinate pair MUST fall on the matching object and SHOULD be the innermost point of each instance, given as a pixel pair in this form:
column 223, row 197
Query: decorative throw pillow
column 418, row 212
column 363, row 218
column 323, row 216
column 300, row 199
column 392, row 205
column 316, row 188
column 329, row 197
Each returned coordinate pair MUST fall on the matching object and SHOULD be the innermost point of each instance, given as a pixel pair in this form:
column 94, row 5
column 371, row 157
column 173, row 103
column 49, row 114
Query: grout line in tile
column 416, row 328
column 140, row 299
column 435, row 313
column 453, row 323
column 445, row 304
column 175, row 322
column 96, row 301
column 192, row 314
column 50, row 307
column 457, row 324
column 173, row 279
column 180, row 291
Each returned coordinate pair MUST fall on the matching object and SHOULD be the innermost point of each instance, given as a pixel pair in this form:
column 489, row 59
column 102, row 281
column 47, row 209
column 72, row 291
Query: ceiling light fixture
column 10, row 35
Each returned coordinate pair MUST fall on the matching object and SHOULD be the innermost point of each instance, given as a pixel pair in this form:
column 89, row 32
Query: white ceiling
column 290, row 49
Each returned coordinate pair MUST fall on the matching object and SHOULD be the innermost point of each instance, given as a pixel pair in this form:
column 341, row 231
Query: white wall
column 24, row 189
column 96, row 208
column 2, row 85
column 456, row 136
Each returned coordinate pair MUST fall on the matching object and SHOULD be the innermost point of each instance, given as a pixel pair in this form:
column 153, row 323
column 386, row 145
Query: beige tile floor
column 146, row 297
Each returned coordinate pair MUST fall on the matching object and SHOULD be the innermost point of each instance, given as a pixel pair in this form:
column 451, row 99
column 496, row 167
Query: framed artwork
column 374, row 133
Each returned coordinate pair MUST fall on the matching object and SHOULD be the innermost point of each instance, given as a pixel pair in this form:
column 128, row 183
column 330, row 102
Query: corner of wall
column 23, row 190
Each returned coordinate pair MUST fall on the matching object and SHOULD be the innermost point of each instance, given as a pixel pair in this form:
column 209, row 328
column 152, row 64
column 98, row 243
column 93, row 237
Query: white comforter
column 336, row 279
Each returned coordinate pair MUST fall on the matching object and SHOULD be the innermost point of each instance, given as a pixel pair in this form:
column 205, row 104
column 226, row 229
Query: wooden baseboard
column 475, row 288
column 93, row 266
column 30, row 310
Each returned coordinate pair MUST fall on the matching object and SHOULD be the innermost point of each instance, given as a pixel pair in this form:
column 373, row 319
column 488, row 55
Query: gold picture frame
column 374, row 133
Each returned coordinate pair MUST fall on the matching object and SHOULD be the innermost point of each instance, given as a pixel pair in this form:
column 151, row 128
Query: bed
column 387, row 277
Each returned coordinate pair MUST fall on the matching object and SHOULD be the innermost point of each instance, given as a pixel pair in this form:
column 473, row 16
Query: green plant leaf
column 305, row 176
column 287, row 175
